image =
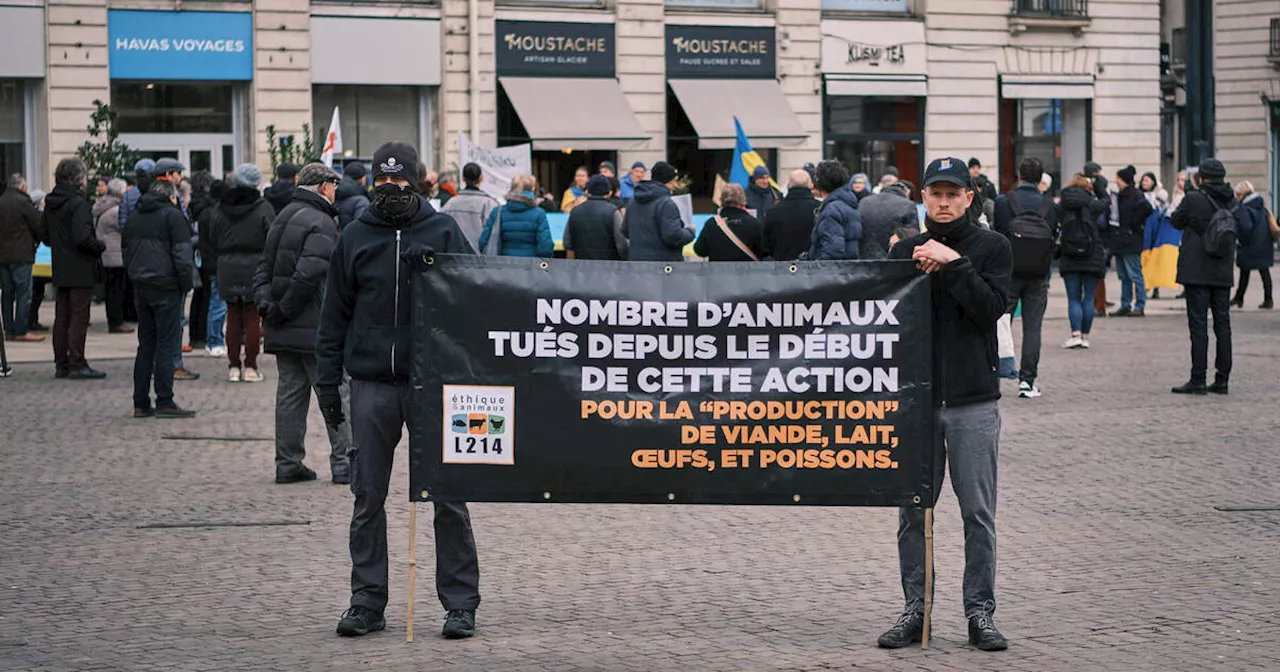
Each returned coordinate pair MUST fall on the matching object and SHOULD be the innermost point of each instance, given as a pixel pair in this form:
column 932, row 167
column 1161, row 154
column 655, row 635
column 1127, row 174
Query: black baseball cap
column 951, row 170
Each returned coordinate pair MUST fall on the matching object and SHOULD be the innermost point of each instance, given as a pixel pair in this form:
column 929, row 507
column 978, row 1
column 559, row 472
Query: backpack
column 1219, row 237
column 1076, row 240
column 1031, row 238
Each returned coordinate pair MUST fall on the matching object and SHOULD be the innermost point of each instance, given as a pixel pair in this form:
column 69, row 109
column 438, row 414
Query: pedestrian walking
column 288, row 285
column 837, row 227
column 519, row 228
column 353, row 194
column 1257, row 248
column 733, row 234
column 788, row 229
column 472, row 206
column 77, row 267
column 761, row 196
column 21, row 232
column 577, row 192
column 1204, row 271
column 238, row 235
column 158, row 257
column 106, row 226
column 652, row 222
column 594, row 230
column 1028, row 218
column 365, row 330
column 1081, row 258
column 280, row 193
column 884, row 213
column 973, row 267
column 1126, row 243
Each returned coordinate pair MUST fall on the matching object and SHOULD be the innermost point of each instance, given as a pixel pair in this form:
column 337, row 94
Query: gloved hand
column 330, row 406
column 418, row 256
column 270, row 313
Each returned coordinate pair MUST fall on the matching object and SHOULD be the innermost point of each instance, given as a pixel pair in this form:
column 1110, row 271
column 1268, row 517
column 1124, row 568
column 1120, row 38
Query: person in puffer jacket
column 837, row 230
column 522, row 225
column 353, row 194
column 471, row 207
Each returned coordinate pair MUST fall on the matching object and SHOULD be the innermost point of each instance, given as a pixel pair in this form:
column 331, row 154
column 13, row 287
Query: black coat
column 788, row 229
column 1132, row 211
column 1253, row 233
column 352, row 200
column 238, row 235
column 594, row 231
column 366, row 315
column 969, row 296
column 280, row 194
column 654, row 226
column 21, row 227
column 1078, row 203
column 713, row 244
column 762, row 200
column 1195, row 266
column 293, row 269
column 77, row 252
column 157, row 246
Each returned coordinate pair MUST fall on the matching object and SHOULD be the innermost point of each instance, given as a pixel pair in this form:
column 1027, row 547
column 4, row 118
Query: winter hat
column 316, row 173
column 598, row 185
column 248, row 175
column 1212, row 170
column 166, row 166
column 396, row 160
column 1127, row 174
column 355, row 170
column 638, row 164
column 286, row 171
column 144, row 166
column 663, row 172
column 974, row 162
column 1091, row 169
column 608, row 164
column 759, row 172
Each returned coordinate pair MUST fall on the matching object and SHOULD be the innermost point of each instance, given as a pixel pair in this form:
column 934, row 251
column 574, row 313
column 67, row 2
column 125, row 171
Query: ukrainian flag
column 1160, row 251
column 745, row 160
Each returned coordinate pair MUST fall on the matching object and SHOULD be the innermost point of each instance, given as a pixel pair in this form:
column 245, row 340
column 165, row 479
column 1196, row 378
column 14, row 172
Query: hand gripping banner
column 697, row 383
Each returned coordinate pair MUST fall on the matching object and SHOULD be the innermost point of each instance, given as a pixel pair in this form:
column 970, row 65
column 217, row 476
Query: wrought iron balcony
column 1072, row 15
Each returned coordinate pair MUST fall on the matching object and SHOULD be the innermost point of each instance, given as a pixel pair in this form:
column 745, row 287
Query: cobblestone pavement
column 1138, row 531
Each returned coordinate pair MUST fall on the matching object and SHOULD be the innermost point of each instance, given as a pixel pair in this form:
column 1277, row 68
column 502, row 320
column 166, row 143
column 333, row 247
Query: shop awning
column 574, row 113
column 877, row 86
column 759, row 104
column 1063, row 87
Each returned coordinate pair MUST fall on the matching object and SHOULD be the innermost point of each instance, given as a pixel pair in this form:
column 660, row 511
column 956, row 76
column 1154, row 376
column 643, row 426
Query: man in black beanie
column 1206, row 275
column 353, row 194
column 1126, row 242
column 653, row 223
column 365, row 325
column 280, row 193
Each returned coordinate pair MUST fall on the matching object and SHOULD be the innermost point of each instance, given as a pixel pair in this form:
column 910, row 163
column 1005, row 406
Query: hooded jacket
column 1078, row 203
column 762, row 199
column 626, row 187
column 106, row 226
column 1256, row 249
column 1132, row 211
column 837, row 230
column 280, row 194
column 969, row 295
column 351, row 202
column 654, row 226
column 470, row 209
column 366, row 314
column 77, row 253
column 788, row 229
column 21, row 227
column 157, row 246
column 237, row 234
column 293, row 268
column 525, row 231
column 882, row 213
column 1195, row 266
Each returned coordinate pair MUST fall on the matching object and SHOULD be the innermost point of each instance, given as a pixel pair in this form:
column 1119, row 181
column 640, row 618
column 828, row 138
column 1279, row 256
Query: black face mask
column 394, row 202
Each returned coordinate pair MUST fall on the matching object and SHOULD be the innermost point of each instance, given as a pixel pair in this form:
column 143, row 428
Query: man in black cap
column 365, row 329
column 653, row 223
column 1207, row 275
column 353, row 194
column 971, row 269
column 280, row 193
column 594, row 230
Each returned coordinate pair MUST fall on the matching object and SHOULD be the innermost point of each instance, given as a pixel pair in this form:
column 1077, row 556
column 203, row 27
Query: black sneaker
column 459, row 624
column 87, row 374
column 1191, row 387
column 342, row 479
column 144, row 412
column 1219, row 385
column 983, row 633
column 1123, row 312
column 359, row 620
column 174, row 412
column 301, row 476
column 905, row 632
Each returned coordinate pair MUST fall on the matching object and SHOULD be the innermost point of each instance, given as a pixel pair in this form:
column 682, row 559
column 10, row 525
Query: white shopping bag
column 1004, row 344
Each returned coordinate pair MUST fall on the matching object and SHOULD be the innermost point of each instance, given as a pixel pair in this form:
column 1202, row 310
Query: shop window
column 12, row 129
column 715, row 4
column 1055, row 131
column 370, row 116
column 879, row 6
column 173, row 107
column 868, row 134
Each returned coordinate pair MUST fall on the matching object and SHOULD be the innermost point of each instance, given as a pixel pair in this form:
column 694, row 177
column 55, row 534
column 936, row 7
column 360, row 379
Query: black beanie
column 396, row 160
column 663, row 172
column 1127, row 174
column 1212, row 170
column 354, row 170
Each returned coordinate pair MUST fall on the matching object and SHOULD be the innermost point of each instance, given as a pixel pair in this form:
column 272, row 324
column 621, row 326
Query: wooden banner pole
column 412, row 567
column 928, row 577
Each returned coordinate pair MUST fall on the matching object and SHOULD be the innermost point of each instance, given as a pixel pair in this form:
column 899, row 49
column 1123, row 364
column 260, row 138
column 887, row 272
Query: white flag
column 498, row 164
column 332, row 142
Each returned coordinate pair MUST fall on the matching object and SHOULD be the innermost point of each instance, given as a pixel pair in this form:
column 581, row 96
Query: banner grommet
column 793, row 268
column 546, row 495
column 425, row 495
column 666, row 269
column 671, row 496
column 544, row 265
column 915, row 500
column 795, row 498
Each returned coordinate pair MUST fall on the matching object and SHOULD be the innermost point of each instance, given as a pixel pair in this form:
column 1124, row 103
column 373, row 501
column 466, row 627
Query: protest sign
column 717, row 383
column 499, row 165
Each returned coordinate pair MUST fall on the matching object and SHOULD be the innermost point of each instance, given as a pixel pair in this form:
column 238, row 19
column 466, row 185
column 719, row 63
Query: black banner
column 532, row 49
column 705, row 383
column 721, row 52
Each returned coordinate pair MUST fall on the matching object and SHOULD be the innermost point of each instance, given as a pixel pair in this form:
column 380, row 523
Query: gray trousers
column 970, row 438
column 378, row 413
column 297, row 377
column 1034, row 295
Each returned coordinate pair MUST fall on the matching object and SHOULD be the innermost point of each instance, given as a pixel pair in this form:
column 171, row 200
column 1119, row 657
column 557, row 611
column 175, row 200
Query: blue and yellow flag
column 745, row 160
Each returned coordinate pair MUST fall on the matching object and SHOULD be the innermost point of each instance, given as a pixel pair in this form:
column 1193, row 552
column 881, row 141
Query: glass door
column 214, row 153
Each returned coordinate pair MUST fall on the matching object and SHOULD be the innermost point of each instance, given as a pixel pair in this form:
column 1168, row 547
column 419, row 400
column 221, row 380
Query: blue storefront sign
column 180, row 45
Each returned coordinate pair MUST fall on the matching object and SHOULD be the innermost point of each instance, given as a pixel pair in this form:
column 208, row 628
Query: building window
column 1052, row 8
column 12, row 129
column 715, row 4
column 173, row 107
column 1058, row 132
column 868, row 134
column 370, row 116
column 878, row 6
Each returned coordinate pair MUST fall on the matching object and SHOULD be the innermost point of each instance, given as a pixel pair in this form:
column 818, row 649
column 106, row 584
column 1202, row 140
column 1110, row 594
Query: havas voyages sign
column 535, row 49
column 721, row 52
column 583, row 381
column 162, row 45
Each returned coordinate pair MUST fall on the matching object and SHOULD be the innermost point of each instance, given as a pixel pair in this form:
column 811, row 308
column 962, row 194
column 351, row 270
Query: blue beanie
column 144, row 166
column 759, row 172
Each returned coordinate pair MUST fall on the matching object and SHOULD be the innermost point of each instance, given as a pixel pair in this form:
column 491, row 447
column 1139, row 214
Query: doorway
column 213, row 152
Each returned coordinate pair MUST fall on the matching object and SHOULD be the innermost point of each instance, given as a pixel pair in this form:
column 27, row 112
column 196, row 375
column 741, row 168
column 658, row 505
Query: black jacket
column 1031, row 200
column 280, row 194
column 969, row 296
column 881, row 214
column 365, row 319
column 237, row 235
column 653, row 225
column 762, row 200
column 21, row 227
column 157, row 246
column 1132, row 211
column 788, row 229
column 1256, row 249
column 713, row 244
column 1078, row 203
column 351, row 202
column 1195, row 266
column 594, row 231
column 292, row 271
column 77, row 252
